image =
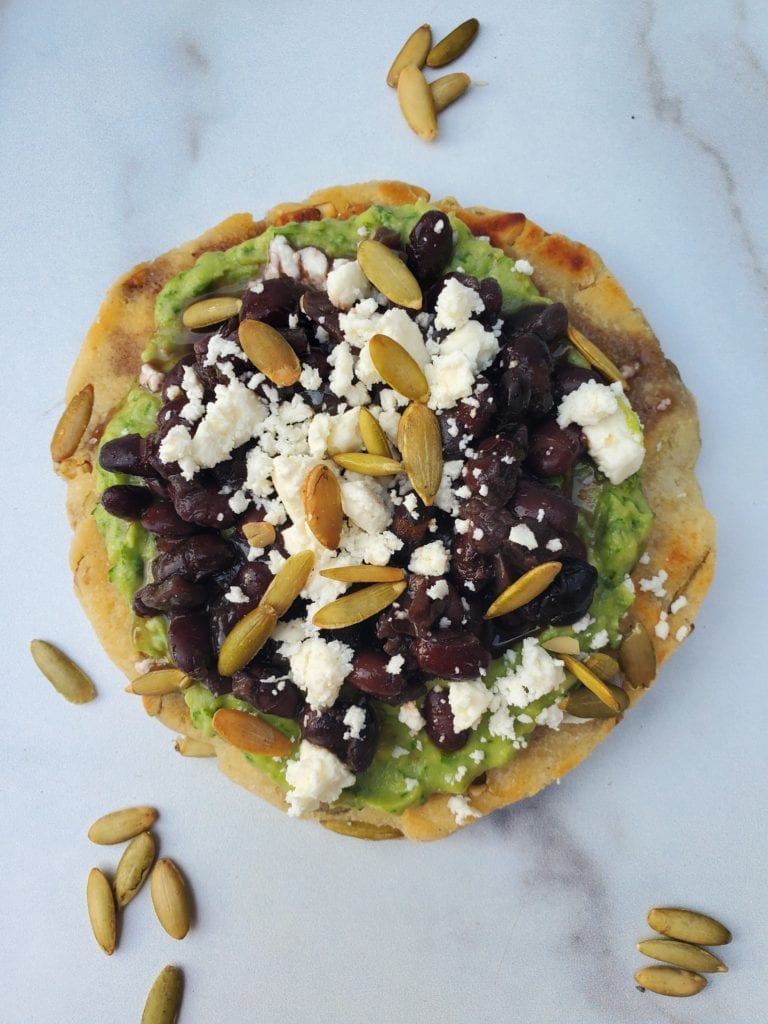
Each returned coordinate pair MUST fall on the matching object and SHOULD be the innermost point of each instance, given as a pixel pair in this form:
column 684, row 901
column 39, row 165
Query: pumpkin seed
column 71, row 426
column 421, row 446
column 670, row 981
column 158, row 682
column 454, row 44
column 357, row 607
column 249, row 732
column 133, row 868
column 682, row 954
column 117, row 826
column 259, row 535
column 290, row 580
column 269, row 352
column 70, row 681
column 688, row 926
column 524, row 589
column 562, row 645
column 398, row 368
column 448, row 89
column 246, row 638
column 362, row 829
column 364, row 574
column 367, row 464
column 101, row 910
column 170, row 898
column 581, row 702
column 322, row 506
column 413, row 51
column 374, row 438
column 164, row 998
column 637, row 656
column 601, row 690
column 387, row 272
column 188, row 746
column 211, row 311
column 595, row 356
column 603, row 665
column 418, row 108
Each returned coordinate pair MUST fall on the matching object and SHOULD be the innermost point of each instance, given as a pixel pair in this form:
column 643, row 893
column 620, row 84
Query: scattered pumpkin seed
column 418, row 108
column 688, row 926
column 397, row 367
column 117, row 826
column 322, row 506
column 367, row 464
column 581, row 702
column 364, row 574
column 362, row 829
column 601, row 690
column 249, row 732
column 413, row 51
column 72, row 423
column 374, row 439
column 421, row 446
column 246, row 638
column 603, row 665
column 170, row 898
column 359, row 606
column 259, row 535
column 269, row 352
column 208, row 312
column 637, row 656
column 164, row 998
column 562, row 645
column 682, row 954
column 670, row 981
column 447, row 89
column 159, row 681
column 387, row 272
column 133, row 868
column 70, row 681
column 188, row 746
column 454, row 44
column 101, row 910
column 289, row 581
column 524, row 589
column 595, row 356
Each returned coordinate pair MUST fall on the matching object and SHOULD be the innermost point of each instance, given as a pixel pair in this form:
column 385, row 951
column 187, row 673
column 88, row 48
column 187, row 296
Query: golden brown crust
column 682, row 542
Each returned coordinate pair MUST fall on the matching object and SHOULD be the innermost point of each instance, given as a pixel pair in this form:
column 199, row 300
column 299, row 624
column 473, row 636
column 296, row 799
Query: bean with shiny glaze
column 552, row 449
column 369, row 674
column 126, row 501
column 203, row 506
column 272, row 301
column 451, row 654
column 162, row 518
column 189, row 641
column 274, row 695
column 202, row 555
column 430, row 245
column 494, row 470
column 327, row 729
column 439, row 722
column 174, row 594
column 125, row 454
column 532, row 498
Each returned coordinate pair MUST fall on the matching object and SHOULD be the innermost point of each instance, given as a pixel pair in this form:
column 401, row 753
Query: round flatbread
column 681, row 544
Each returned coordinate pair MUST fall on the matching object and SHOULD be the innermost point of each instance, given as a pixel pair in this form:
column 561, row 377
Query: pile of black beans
column 517, row 465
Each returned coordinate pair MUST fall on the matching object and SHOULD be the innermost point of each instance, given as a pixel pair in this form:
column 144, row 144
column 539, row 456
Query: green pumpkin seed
column 70, row 681
column 682, row 954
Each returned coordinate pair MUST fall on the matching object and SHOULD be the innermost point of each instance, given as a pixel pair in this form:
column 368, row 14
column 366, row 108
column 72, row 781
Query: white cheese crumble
column 354, row 720
column 554, row 545
column 524, row 536
column 523, row 267
column 678, row 603
column 316, row 777
column 599, row 640
column 469, row 700
column 395, row 665
column 655, row 584
column 319, row 667
column 347, row 284
column 613, row 432
column 438, row 590
column 455, row 305
column 662, row 626
column 537, row 674
column 410, row 716
column 461, row 810
column 430, row 559
column 235, row 596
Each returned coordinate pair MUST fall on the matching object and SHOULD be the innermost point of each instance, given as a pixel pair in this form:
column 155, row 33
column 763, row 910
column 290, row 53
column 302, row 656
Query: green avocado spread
column 614, row 523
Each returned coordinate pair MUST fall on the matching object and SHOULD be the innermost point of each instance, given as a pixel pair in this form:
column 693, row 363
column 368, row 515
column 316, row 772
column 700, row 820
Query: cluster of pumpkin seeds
column 421, row 101
column 685, row 934
column 168, row 890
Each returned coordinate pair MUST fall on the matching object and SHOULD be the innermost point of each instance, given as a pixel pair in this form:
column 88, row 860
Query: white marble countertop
column 637, row 128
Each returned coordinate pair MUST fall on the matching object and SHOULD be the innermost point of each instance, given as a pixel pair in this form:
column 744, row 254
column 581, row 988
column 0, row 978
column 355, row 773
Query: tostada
column 391, row 501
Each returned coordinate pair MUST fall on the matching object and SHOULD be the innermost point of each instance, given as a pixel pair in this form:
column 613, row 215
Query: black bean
column 327, row 729
column 471, row 568
column 451, row 654
column 272, row 301
column 271, row 693
column 488, row 526
column 469, row 420
column 567, row 377
column 369, row 674
column 161, row 518
column 170, row 415
column 430, row 245
column 126, row 501
column 125, row 454
column 423, row 610
column 190, row 642
column 174, row 594
column 388, row 237
column 316, row 306
column 553, row 449
column 409, row 530
column 533, row 500
column 513, row 396
column 491, row 294
column 203, row 506
column 202, row 555
column 494, row 470
column 529, row 352
column 439, row 722
column 549, row 322
column 175, row 376
column 253, row 578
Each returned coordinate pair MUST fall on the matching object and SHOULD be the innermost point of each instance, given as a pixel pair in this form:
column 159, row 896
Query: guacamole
column 614, row 521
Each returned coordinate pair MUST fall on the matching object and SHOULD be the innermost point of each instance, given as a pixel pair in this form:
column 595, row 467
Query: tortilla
column 683, row 538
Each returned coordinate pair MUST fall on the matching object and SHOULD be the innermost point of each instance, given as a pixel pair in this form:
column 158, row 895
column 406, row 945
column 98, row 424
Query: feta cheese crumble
column 316, row 777
column 613, row 431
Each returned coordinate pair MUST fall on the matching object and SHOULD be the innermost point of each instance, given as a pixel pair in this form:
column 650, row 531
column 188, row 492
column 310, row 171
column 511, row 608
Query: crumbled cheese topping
column 319, row 667
column 461, row 810
column 431, row 559
column 469, row 700
column 316, row 777
column 354, row 720
column 613, row 432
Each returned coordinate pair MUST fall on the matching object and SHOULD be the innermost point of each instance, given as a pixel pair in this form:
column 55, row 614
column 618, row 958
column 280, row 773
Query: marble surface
column 638, row 128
